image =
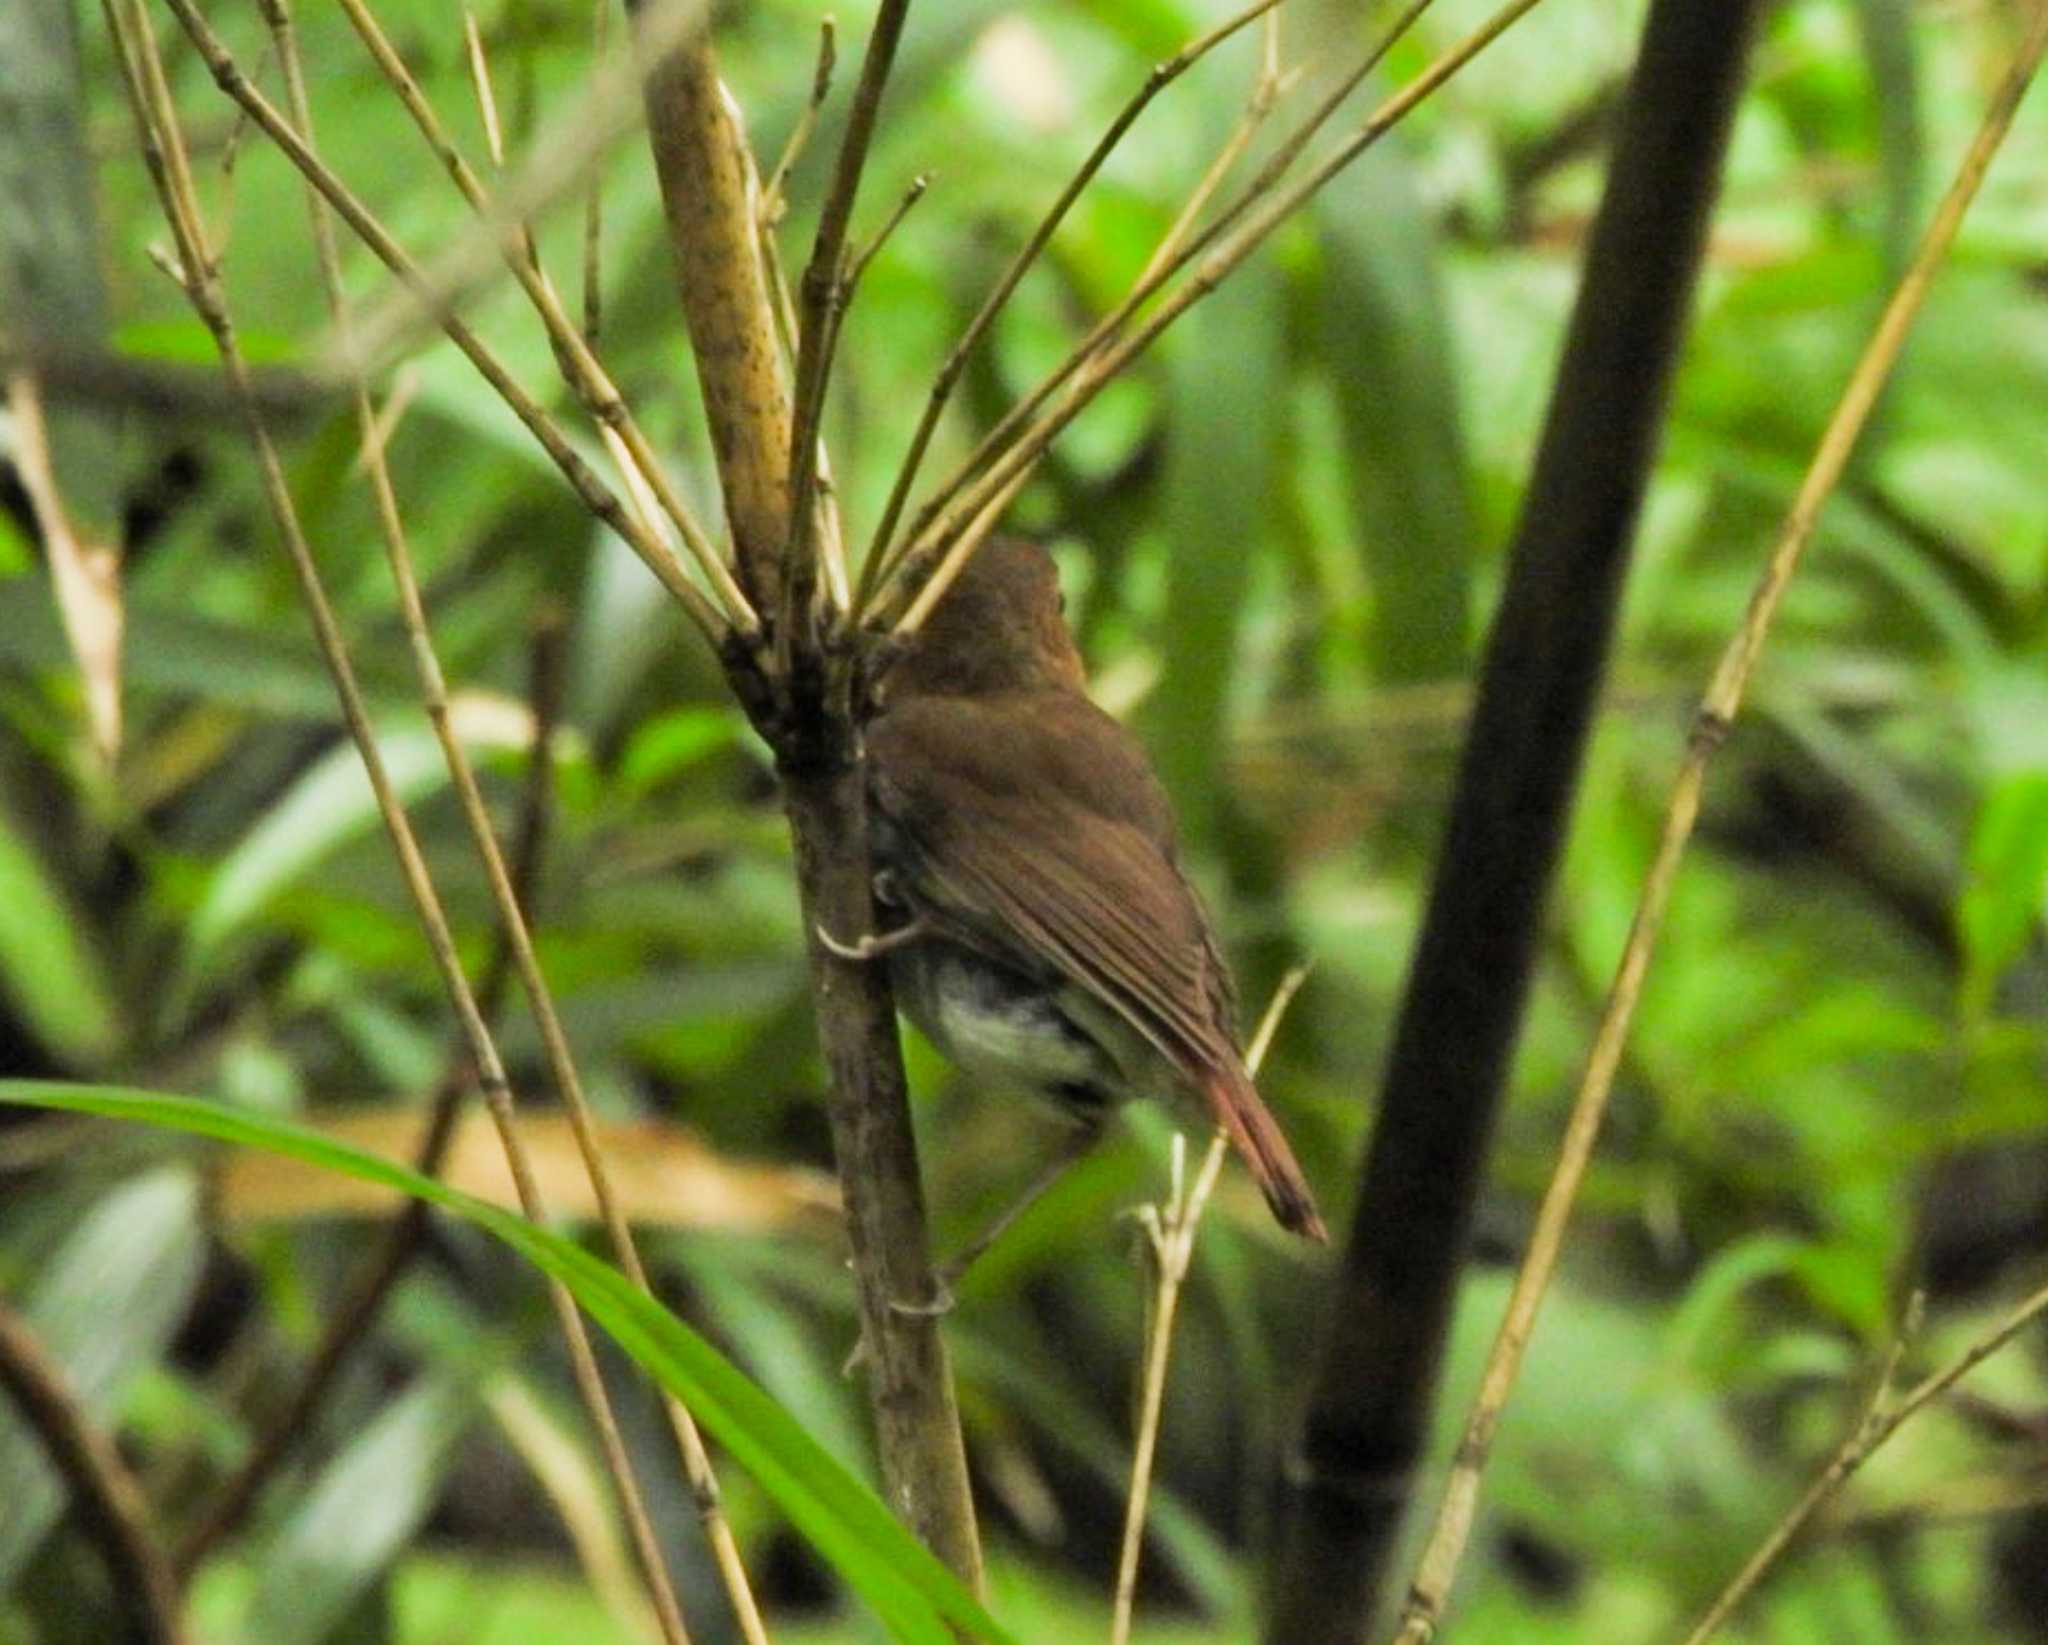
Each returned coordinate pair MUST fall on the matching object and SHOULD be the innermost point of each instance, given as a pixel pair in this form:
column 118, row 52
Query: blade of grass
column 908, row 1588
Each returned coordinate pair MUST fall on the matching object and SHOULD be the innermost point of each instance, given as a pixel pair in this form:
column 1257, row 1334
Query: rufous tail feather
column 1256, row 1135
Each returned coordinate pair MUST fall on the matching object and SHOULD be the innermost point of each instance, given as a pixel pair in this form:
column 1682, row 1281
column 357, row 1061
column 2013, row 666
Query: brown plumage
column 1022, row 832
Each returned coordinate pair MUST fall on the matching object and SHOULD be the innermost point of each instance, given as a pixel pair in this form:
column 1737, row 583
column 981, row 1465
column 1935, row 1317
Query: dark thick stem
column 110, row 1504
column 924, row 1462
column 1369, row 1414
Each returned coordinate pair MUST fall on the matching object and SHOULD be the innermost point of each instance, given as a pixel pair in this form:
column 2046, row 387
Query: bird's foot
column 938, row 1305
column 873, row 945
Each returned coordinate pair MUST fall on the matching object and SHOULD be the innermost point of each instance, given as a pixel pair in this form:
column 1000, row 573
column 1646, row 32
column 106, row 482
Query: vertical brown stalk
column 804, row 705
column 1369, row 1413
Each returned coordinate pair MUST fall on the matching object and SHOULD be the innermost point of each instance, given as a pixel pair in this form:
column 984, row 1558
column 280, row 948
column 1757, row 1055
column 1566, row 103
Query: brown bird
column 1049, row 937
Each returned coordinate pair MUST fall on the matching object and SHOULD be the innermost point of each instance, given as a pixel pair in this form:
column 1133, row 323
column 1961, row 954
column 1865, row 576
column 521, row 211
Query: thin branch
column 150, row 94
column 857, row 262
column 655, row 554
column 821, row 300
column 585, row 375
column 1162, row 75
column 1880, row 1422
column 1098, row 368
column 111, row 1505
column 773, row 202
column 593, row 201
column 1723, row 700
column 1170, row 1231
column 1112, row 324
column 504, row 890
column 404, row 1236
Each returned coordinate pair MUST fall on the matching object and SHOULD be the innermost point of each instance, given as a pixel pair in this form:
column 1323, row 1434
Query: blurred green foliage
column 1280, row 536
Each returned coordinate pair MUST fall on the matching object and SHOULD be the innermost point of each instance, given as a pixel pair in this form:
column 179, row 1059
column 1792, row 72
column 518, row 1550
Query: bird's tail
column 1256, row 1135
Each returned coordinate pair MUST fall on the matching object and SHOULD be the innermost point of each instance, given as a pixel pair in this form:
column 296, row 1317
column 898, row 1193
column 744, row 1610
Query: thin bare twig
column 599, row 498
column 580, row 367
column 1170, row 1230
column 156, row 115
column 774, row 202
column 504, row 891
column 1017, row 420
column 593, row 201
column 941, row 518
column 1162, row 76
column 1880, row 1422
column 111, row 1504
column 857, row 262
column 1723, row 700
column 404, row 1236
column 821, row 302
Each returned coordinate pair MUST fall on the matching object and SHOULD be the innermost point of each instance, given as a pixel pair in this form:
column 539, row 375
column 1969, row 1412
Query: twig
column 150, row 94
column 821, row 299
column 585, row 375
column 1882, row 1420
column 1099, row 367
column 404, row 1236
column 857, row 262
column 1170, row 1231
column 593, row 201
column 1723, row 699
column 1111, row 325
column 658, row 557
column 504, row 890
column 1162, row 75
column 110, row 1502
column 773, row 202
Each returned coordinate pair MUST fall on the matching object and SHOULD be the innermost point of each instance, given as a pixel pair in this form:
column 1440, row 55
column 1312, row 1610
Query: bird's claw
column 872, row 946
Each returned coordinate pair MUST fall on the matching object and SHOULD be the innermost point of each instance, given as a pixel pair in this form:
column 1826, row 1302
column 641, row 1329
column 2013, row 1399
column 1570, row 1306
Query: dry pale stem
column 1162, row 76
column 1171, row 1232
column 554, row 1039
column 151, row 97
column 702, row 163
column 1440, row 1557
column 658, row 557
column 1883, row 1419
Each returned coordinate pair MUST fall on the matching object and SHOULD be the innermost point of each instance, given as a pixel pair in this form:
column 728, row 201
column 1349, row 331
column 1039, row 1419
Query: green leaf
column 366, row 1506
column 1386, row 344
column 908, row 1588
column 103, row 1306
column 46, row 967
column 332, row 804
column 2001, row 903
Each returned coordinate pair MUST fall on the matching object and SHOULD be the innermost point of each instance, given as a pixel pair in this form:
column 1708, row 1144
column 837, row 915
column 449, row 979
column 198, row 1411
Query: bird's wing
column 1036, row 833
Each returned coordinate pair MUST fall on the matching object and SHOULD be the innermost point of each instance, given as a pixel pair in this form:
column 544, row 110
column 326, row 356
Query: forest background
column 1282, row 535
